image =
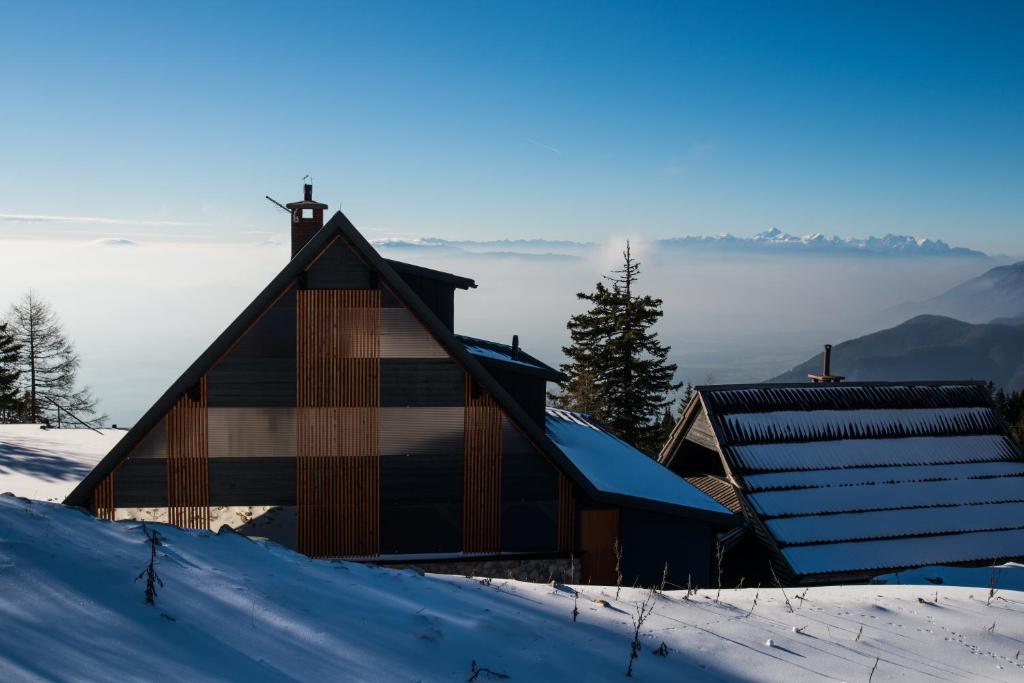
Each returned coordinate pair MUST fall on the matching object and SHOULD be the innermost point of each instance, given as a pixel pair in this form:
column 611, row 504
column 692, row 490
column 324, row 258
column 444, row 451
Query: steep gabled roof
column 856, row 478
column 502, row 356
column 339, row 227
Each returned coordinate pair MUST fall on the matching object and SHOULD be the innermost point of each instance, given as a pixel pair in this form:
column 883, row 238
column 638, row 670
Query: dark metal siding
column 420, row 382
column 528, row 391
column 339, row 268
column 438, row 296
column 649, row 540
column 252, row 432
column 141, row 482
column 421, row 504
column 252, row 481
column 529, row 496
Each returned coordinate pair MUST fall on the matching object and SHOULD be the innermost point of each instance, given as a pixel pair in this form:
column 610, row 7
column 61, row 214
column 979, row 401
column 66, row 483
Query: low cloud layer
column 140, row 312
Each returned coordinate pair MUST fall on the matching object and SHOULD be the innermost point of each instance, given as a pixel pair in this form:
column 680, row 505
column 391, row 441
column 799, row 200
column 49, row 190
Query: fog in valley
column 141, row 311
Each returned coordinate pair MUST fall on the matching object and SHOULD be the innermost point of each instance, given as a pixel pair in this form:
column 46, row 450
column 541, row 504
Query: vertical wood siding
column 188, row 496
column 566, row 515
column 481, row 529
column 103, row 498
column 338, row 397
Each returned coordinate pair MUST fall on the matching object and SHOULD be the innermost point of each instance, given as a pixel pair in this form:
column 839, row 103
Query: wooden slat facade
column 481, row 527
column 103, row 498
column 188, row 473
column 338, row 444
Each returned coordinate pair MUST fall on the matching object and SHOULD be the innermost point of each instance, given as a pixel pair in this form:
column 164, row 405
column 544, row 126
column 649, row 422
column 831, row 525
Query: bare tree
column 49, row 364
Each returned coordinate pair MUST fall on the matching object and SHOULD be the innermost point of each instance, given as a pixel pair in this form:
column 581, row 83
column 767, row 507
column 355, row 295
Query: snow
column 905, row 552
column 1009, row 576
column 888, row 496
column 48, row 463
column 799, row 425
column 613, row 466
column 233, row 609
column 914, row 522
column 915, row 450
column 495, row 354
column 872, row 475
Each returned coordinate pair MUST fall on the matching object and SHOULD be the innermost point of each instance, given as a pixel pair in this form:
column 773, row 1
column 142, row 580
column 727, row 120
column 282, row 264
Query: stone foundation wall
column 538, row 570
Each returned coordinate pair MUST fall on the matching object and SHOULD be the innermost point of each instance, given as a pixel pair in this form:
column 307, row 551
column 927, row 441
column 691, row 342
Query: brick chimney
column 307, row 218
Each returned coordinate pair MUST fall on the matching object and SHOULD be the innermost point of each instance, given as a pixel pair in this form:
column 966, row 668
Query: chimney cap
column 307, row 202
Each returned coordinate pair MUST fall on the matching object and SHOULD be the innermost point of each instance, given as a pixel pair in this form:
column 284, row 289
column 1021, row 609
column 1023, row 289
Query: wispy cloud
column 93, row 220
column 547, row 147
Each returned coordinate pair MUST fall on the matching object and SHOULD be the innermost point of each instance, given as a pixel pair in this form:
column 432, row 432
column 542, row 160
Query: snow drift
column 233, row 609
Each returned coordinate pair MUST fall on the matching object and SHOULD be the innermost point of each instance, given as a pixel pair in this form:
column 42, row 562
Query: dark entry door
column 598, row 531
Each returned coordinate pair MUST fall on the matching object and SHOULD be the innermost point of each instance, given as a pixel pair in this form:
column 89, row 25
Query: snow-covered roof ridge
column 615, row 468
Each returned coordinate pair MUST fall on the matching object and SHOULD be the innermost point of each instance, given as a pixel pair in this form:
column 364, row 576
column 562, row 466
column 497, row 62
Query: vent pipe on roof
column 515, row 347
column 826, row 375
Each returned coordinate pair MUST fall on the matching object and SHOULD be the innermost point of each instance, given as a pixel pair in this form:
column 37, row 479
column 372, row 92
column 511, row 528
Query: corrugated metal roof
column 905, row 552
column 887, row 496
column 927, row 450
column 846, row 396
column 916, row 522
column 864, row 423
column 878, row 475
column 834, row 472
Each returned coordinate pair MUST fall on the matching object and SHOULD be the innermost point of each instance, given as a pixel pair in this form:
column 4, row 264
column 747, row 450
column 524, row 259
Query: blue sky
column 488, row 120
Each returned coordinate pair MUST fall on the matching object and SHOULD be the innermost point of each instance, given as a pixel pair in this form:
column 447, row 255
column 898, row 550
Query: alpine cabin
column 840, row 482
column 340, row 415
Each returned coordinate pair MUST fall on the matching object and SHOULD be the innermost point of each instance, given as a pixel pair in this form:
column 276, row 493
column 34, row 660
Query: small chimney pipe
column 828, row 361
column 515, row 347
column 307, row 192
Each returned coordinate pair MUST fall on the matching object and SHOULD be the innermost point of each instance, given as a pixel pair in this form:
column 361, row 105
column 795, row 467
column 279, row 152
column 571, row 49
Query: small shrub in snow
column 640, row 613
column 476, row 670
column 152, row 578
column 662, row 650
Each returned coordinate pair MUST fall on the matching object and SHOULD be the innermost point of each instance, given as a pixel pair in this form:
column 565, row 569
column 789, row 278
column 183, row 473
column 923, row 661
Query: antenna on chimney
column 826, row 376
column 278, row 204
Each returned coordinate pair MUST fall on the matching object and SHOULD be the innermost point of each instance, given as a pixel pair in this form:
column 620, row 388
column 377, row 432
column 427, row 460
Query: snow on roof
column 793, row 425
column 905, row 552
column 615, row 467
column 923, row 450
column 836, row 472
column 887, row 496
column 482, row 348
column 876, row 475
column 913, row 522
column 47, row 463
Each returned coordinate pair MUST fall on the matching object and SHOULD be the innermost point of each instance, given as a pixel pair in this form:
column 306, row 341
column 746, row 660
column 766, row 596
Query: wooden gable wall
column 339, row 401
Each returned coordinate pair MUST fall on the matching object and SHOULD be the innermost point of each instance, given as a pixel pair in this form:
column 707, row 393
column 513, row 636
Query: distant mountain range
column 773, row 241
column 928, row 347
column 995, row 294
column 776, row 241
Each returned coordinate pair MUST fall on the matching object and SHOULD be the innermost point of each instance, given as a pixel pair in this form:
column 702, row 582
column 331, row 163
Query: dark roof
column 501, row 355
column 864, row 477
column 339, row 227
column 419, row 271
column 615, row 468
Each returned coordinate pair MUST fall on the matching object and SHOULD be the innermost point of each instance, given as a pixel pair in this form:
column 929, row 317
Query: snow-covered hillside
column 47, row 463
column 232, row 609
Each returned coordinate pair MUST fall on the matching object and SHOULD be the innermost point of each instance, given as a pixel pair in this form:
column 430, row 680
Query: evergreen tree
column 616, row 362
column 49, row 365
column 688, row 393
column 10, row 400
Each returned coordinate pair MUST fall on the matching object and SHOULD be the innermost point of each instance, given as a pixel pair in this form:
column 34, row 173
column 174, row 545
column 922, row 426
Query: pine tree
column 49, row 364
column 10, row 394
column 616, row 361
